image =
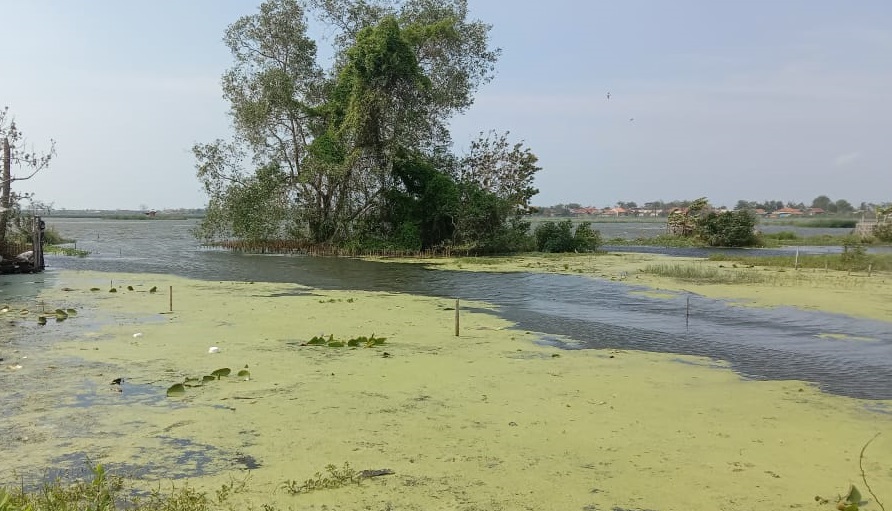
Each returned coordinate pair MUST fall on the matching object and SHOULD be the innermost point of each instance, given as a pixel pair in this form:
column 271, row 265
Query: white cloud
column 847, row 159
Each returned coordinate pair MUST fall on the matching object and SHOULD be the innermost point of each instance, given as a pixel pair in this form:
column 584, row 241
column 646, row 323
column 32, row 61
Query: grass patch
column 705, row 274
column 66, row 251
column 850, row 261
column 826, row 223
column 663, row 240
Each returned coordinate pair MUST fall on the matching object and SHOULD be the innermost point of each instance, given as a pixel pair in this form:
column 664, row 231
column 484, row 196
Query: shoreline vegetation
column 492, row 419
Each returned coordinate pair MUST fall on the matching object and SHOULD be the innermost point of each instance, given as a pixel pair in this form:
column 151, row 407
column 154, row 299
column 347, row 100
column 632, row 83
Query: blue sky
column 757, row 99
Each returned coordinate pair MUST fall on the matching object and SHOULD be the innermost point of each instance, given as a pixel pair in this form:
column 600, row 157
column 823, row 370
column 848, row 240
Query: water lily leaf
column 176, row 390
column 353, row 343
column 854, row 495
column 129, row 288
column 336, row 344
column 221, row 372
column 154, row 289
column 71, row 312
column 208, row 378
column 191, row 378
column 316, row 341
column 41, row 320
column 112, row 290
column 244, row 373
column 94, row 289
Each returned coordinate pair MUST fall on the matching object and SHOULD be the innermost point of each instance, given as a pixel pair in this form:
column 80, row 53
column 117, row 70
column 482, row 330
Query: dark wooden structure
column 24, row 257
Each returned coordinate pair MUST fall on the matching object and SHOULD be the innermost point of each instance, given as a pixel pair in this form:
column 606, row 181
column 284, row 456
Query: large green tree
column 359, row 150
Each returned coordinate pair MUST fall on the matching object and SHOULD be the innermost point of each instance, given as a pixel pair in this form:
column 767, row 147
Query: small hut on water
column 18, row 257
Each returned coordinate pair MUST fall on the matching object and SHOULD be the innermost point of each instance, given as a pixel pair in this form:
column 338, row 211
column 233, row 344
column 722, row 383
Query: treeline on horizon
column 820, row 205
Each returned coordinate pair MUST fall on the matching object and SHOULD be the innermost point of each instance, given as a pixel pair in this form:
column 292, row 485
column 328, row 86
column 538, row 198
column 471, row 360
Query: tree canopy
column 361, row 152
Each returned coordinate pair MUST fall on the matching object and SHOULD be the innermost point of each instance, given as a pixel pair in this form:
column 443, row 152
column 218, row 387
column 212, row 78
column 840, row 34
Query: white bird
column 213, row 349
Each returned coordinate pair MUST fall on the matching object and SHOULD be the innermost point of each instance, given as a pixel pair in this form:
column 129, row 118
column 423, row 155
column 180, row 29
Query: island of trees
column 359, row 153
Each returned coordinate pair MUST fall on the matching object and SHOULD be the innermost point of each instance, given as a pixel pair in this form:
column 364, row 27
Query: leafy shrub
column 728, row 229
column 883, row 232
column 560, row 237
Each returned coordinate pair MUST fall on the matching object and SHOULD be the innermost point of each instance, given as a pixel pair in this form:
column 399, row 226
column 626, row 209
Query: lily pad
column 316, row 341
column 41, row 320
column 71, row 312
column 336, row 344
column 221, row 372
column 176, row 390
column 244, row 373
column 208, row 378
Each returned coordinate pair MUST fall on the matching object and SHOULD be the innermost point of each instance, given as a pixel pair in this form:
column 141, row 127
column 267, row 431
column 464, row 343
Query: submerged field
column 488, row 420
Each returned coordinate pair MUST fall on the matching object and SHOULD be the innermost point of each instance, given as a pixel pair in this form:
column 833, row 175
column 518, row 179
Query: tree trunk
column 6, row 196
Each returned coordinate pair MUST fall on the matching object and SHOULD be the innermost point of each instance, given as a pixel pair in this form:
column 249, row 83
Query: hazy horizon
column 759, row 100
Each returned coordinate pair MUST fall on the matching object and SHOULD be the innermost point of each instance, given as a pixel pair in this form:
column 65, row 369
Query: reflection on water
column 780, row 343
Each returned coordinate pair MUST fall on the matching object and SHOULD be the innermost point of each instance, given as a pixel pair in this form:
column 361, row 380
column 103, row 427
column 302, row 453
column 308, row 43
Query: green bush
column 560, row 237
column 883, row 232
column 728, row 229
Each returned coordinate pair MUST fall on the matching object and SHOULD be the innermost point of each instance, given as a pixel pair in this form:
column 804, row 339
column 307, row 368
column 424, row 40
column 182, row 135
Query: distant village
column 768, row 209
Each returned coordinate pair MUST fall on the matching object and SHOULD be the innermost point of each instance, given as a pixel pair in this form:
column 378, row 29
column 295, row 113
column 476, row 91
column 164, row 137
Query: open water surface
column 778, row 343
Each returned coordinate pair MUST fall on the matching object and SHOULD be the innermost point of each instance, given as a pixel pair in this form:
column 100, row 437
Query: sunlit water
column 778, row 343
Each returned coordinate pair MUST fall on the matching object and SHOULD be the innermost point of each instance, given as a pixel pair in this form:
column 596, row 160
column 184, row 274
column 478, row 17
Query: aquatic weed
column 335, row 478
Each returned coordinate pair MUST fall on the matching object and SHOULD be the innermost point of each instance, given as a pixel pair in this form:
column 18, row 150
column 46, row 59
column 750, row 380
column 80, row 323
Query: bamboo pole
column 171, row 298
column 456, row 318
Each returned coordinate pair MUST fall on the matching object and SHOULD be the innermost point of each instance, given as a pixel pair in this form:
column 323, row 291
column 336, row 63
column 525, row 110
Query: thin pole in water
column 796, row 263
column 687, row 313
column 456, row 317
column 171, row 298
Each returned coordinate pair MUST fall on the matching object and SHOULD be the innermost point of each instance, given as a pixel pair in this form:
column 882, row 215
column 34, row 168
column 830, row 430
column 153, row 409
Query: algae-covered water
column 778, row 343
column 514, row 413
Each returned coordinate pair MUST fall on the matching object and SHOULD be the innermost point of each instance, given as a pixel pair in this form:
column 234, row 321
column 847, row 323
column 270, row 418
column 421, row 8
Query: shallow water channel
column 778, row 343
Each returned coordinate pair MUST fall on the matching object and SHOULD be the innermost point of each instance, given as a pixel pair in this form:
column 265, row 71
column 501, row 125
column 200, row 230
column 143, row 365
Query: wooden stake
column 171, row 298
column 456, row 317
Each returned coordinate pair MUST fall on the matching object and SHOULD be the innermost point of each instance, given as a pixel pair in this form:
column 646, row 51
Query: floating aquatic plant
column 154, row 289
column 176, row 390
column 335, row 478
column 331, row 342
column 221, row 372
column 192, row 382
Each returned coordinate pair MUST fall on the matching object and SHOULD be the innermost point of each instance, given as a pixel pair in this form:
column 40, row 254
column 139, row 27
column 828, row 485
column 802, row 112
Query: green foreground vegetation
column 105, row 492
